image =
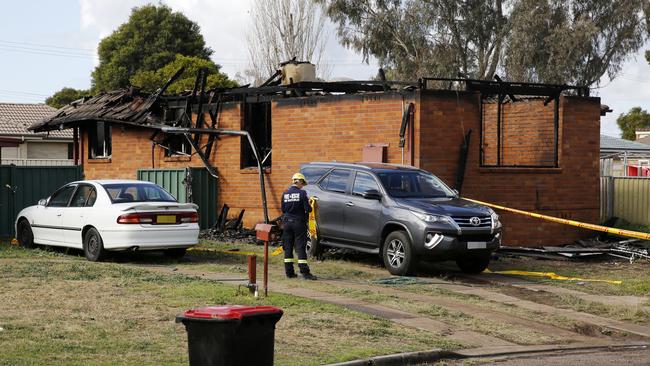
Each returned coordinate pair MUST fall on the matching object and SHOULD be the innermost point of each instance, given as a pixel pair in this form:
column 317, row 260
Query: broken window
column 99, row 141
column 176, row 145
column 519, row 131
column 257, row 121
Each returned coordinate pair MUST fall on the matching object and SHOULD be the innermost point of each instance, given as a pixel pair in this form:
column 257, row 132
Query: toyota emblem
column 475, row 221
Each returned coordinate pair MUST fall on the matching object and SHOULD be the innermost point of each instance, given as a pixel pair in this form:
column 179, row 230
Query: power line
column 46, row 46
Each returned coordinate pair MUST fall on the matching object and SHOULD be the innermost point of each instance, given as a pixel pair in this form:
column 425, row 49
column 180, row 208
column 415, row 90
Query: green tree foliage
column 573, row 41
column 149, row 40
column 150, row 81
column 635, row 119
column 66, row 96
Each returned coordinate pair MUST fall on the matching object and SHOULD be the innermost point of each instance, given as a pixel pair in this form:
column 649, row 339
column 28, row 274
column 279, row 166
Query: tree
column 635, row 119
column 65, row 96
column 149, row 40
column 150, row 81
column 282, row 30
column 525, row 40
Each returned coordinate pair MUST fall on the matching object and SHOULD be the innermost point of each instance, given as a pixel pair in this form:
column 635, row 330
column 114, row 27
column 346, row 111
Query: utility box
column 267, row 232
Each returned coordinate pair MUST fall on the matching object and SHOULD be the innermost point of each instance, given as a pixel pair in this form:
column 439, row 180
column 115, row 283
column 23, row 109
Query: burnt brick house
column 530, row 146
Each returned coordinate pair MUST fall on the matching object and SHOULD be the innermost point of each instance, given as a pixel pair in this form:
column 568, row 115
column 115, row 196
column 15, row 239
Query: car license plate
column 166, row 219
column 476, row 245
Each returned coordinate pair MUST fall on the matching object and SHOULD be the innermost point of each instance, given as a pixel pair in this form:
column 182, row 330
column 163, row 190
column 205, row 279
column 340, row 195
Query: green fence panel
column 203, row 189
column 23, row 186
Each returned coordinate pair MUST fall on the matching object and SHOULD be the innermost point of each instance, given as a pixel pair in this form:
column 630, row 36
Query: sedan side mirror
column 42, row 202
column 371, row 194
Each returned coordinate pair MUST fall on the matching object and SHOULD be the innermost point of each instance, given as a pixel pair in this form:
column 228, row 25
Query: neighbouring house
column 623, row 158
column 19, row 146
column 643, row 135
column 533, row 147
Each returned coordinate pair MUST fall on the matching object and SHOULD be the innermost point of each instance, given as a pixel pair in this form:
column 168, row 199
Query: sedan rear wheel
column 25, row 234
column 397, row 253
column 94, row 246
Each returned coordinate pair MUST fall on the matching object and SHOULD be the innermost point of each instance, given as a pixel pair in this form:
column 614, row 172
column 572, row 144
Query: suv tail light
column 153, row 218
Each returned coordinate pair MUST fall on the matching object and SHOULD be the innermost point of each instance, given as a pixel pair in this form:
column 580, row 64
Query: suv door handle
column 315, row 198
column 349, row 204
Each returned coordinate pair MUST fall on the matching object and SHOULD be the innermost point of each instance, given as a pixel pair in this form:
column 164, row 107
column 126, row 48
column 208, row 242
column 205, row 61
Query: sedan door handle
column 349, row 204
column 58, row 215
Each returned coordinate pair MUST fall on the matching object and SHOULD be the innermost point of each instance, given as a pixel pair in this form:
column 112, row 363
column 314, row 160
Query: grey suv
column 402, row 213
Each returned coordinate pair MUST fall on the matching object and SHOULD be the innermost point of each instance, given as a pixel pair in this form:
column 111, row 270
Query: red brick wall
column 338, row 127
column 527, row 133
column 570, row 191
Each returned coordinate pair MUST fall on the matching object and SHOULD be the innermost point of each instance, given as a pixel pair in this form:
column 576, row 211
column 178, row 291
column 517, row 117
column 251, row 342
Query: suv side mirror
column 42, row 202
column 371, row 194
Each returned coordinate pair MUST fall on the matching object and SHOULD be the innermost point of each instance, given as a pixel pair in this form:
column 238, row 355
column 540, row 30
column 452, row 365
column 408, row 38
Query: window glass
column 337, row 180
column 137, row 192
column 414, row 184
column 91, row 198
column 61, row 197
column 363, row 182
column 81, row 196
column 312, row 174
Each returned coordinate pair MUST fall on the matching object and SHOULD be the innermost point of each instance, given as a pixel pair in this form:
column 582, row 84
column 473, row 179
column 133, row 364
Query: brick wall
column 570, row 191
column 338, row 127
column 304, row 130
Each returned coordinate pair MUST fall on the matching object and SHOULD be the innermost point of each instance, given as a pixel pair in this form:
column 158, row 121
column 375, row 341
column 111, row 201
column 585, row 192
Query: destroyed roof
column 16, row 118
column 123, row 105
column 609, row 144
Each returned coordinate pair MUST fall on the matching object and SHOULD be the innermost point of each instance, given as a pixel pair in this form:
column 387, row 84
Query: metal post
column 266, row 268
column 500, row 100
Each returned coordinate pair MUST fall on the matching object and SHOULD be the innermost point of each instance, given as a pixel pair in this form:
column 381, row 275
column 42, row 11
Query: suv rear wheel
column 397, row 253
column 473, row 264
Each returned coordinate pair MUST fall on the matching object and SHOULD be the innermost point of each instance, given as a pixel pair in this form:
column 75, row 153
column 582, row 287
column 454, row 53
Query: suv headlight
column 496, row 224
column 432, row 218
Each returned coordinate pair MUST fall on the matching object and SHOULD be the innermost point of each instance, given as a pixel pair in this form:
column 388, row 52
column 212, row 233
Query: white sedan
column 102, row 215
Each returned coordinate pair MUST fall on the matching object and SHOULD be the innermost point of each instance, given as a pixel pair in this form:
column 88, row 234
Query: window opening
column 257, row 121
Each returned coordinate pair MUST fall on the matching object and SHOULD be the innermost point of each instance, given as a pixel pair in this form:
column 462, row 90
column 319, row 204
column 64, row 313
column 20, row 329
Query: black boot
column 309, row 276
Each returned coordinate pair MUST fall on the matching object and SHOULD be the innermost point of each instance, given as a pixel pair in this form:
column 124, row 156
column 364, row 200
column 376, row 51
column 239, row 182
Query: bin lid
column 230, row 312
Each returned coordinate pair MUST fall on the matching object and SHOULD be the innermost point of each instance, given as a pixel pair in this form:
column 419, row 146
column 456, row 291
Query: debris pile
column 630, row 249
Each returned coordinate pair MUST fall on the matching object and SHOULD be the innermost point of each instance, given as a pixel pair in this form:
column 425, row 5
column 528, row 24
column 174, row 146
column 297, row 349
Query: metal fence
column 625, row 197
column 37, row 162
column 22, row 186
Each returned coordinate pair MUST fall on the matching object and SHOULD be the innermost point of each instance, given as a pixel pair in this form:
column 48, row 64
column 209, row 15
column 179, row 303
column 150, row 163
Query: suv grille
column 485, row 238
column 464, row 221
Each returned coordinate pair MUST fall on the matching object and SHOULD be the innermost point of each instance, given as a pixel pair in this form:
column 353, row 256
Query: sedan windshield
column 414, row 184
column 137, row 192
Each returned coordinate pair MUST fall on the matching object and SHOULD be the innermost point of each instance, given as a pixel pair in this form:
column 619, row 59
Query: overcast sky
column 46, row 45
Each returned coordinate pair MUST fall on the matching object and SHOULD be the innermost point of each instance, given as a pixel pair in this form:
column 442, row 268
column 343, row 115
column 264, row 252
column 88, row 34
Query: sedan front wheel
column 25, row 234
column 94, row 246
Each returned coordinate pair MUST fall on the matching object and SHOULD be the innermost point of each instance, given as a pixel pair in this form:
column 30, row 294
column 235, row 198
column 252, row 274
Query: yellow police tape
column 584, row 225
column 552, row 276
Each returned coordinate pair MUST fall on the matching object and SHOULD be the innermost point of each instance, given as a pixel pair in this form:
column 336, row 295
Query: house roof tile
column 15, row 118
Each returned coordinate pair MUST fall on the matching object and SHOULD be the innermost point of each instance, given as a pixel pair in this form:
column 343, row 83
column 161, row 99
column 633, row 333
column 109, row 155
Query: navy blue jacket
column 295, row 204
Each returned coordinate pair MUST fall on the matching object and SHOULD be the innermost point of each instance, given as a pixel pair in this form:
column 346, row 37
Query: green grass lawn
column 60, row 309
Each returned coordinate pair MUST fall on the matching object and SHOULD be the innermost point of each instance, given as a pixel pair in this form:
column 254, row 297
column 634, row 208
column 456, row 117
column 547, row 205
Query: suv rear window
column 336, row 181
column 313, row 174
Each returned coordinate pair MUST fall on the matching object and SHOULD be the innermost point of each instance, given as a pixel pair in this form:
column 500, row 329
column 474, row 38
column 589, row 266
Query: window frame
column 93, row 141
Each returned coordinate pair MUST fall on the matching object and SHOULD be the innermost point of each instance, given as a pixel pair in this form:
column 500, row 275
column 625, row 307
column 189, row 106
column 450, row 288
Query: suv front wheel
column 397, row 253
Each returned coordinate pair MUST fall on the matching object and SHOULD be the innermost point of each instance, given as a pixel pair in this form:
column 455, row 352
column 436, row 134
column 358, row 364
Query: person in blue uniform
column 295, row 216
